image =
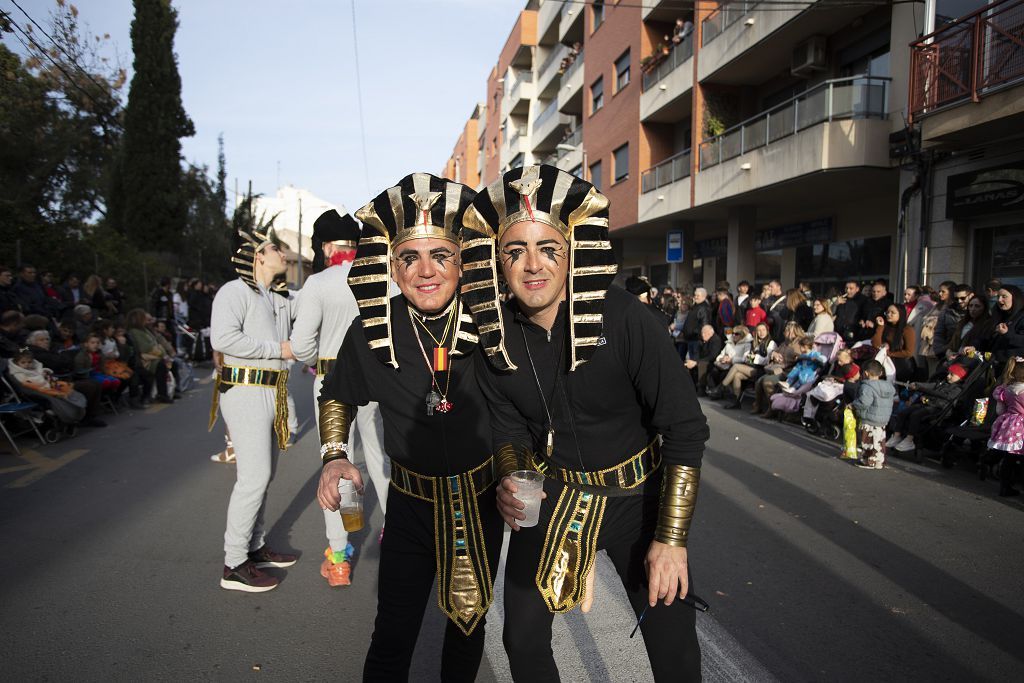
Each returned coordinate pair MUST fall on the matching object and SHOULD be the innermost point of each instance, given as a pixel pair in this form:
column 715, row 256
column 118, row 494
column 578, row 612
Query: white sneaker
column 906, row 445
column 893, row 440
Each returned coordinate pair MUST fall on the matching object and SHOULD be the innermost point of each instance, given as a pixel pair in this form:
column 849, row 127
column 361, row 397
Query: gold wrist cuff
column 335, row 423
column 511, row 458
column 678, row 499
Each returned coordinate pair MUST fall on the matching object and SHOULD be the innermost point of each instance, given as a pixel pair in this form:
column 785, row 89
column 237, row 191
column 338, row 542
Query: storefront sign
column 713, row 248
column 796, row 235
column 674, row 246
column 994, row 190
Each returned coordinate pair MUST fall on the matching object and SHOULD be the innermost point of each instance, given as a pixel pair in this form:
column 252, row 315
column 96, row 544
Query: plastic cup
column 351, row 506
column 529, row 487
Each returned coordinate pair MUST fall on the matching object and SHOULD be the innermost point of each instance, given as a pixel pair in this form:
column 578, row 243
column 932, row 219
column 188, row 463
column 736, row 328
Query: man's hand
column 286, row 351
column 509, row 507
column 334, row 471
column 690, row 364
column 588, row 596
column 666, row 573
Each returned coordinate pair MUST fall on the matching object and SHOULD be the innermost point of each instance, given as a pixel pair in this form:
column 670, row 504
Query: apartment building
column 767, row 140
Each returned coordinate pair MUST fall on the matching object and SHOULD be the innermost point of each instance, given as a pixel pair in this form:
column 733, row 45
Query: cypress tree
column 154, row 210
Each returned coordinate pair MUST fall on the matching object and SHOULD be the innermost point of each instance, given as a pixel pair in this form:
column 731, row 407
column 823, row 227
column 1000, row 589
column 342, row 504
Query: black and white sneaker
column 265, row 557
column 246, row 577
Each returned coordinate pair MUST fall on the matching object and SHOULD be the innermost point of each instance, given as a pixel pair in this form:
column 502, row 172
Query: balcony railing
column 513, row 137
column 573, row 68
column 969, row 58
column 522, row 77
column 856, row 97
column 679, row 54
column 676, row 167
column 723, row 17
column 546, row 114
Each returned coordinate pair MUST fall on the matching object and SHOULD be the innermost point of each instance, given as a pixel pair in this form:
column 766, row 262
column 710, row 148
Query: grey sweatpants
column 366, row 439
column 248, row 412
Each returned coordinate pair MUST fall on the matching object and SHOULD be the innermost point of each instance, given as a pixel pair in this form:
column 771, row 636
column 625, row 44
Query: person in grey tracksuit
column 251, row 324
column 325, row 309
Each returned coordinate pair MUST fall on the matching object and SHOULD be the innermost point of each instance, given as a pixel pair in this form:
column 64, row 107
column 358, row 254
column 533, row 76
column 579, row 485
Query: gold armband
column 511, row 458
column 335, row 422
column 678, row 498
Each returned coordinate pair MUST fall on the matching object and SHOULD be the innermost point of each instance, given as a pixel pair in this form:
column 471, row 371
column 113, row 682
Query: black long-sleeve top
column 436, row 445
column 632, row 389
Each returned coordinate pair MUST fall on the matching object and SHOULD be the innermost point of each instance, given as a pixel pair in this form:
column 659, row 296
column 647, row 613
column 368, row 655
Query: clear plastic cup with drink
column 529, row 488
column 351, row 507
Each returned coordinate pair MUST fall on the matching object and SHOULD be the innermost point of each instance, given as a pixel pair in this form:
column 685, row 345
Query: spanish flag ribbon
column 440, row 359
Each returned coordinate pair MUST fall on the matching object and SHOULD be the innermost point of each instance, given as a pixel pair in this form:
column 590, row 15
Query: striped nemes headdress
column 244, row 260
column 420, row 206
column 572, row 206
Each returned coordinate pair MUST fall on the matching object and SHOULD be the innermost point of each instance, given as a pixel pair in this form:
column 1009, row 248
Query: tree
column 155, row 210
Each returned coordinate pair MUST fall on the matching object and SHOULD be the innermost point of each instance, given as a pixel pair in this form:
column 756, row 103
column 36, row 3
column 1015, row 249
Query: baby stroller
column 955, row 418
column 789, row 402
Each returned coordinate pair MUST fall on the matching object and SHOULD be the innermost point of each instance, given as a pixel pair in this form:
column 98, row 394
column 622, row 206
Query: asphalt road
column 815, row 570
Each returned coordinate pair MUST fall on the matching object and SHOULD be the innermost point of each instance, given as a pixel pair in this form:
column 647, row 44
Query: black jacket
column 939, row 394
column 698, row 317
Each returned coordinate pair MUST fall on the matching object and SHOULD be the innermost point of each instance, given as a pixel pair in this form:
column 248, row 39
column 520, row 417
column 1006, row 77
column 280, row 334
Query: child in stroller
column 935, row 398
column 816, row 354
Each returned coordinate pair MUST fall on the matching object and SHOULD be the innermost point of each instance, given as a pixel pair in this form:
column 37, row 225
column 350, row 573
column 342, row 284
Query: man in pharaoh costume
column 250, row 324
column 412, row 354
column 324, row 310
column 585, row 387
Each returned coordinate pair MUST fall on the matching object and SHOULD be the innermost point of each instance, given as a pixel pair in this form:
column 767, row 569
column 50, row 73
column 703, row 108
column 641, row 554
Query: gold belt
column 625, row 475
column 324, row 366
column 464, row 586
column 238, row 375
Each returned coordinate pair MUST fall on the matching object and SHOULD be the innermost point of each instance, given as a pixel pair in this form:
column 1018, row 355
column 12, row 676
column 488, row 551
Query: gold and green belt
column 464, row 589
column 238, row 375
column 324, row 366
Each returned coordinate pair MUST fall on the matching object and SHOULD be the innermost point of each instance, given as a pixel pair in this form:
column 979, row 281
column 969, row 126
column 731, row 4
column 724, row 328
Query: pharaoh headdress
column 244, row 260
column 575, row 208
column 419, row 206
column 335, row 228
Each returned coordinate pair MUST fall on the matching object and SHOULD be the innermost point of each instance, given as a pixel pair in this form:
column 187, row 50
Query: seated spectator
column 66, row 337
column 755, row 315
column 708, row 348
column 1007, row 436
column 935, row 396
column 873, row 408
column 736, row 349
column 89, row 363
column 844, row 372
column 84, row 319
column 62, row 365
column 12, row 324
column 8, row 299
column 66, row 403
column 807, row 365
column 822, row 321
column 153, row 362
column 974, row 329
column 761, row 348
column 780, row 362
column 1007, row 335
column 893, row 334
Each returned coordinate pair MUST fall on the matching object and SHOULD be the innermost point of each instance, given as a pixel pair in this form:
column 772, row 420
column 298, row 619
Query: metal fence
column 856, row 97
column 679, row 54
column 978, row 53
column 676, row 167
column 723, row 17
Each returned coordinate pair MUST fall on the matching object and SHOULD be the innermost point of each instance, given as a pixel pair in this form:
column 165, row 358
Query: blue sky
column 278, row 79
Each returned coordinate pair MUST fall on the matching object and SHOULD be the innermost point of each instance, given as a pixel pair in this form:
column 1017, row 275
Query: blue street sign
column 674, row 246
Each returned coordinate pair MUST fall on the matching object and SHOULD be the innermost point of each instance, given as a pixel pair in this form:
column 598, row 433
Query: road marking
column 41, row 465
column 156, row 408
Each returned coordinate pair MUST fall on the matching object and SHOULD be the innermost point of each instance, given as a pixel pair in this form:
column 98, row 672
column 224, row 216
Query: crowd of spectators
column 75, row 348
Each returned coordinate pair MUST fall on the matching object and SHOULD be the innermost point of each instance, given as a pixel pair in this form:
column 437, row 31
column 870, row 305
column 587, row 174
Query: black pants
column 909, row 421
column 93, row 392
column 405, row 585
column 670, row 633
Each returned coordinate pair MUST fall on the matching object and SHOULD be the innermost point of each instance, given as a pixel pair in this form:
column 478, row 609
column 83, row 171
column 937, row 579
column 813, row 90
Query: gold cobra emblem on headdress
column 425, row 201
column 527, row 189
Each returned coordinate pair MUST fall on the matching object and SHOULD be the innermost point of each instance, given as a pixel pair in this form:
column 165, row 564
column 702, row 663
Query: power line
column 359, row 98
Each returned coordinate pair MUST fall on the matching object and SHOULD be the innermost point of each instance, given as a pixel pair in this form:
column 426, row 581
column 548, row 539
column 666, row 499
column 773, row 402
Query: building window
column 598, row 9
column 622, row 71
column 621, row 157
column 597, row 95
column 595, row 175
column 829, row 265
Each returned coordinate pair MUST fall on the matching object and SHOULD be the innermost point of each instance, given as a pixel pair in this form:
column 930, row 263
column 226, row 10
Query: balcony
column 667, row 86
column 665, row 188
column 548, row 78
column 570, row 94
column 570, row 27
column 838, row 124
column 514, row 145
column 549, row 16
column 569, row 152
column 519, row 95
column 978, row 57
column 547, row 126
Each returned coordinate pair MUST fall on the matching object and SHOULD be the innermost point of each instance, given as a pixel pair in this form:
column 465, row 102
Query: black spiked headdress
column 548, row 195
column 420, row 206
column 332, row 227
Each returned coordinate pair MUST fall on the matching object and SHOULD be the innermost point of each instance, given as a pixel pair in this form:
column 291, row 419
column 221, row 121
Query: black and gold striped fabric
column 541, row 194
column 420, row 205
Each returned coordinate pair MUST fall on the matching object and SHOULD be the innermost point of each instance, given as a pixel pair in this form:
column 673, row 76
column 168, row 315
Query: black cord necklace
column 550, row 445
